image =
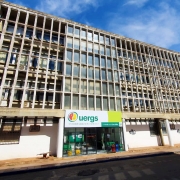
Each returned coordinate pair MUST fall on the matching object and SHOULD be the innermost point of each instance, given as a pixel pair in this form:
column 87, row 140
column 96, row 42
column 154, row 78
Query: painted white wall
column 175, row 135
column 31, row 143
column 142, row 138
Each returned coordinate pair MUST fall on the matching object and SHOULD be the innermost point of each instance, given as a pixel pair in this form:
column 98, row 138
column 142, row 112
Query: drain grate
column 88, row 172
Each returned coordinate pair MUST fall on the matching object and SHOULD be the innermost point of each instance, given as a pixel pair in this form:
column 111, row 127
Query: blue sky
column 153, row 21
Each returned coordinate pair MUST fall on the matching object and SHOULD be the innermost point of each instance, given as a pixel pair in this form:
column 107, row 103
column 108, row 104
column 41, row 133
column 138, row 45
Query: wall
column 32, row 143
column 175, row 135
column 142, row 138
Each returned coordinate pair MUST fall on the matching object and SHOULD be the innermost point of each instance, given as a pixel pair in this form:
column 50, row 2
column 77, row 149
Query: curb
column 78, row 163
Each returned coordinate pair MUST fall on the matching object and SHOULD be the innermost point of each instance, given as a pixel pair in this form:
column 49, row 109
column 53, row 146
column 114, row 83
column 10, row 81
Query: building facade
column 50, row 65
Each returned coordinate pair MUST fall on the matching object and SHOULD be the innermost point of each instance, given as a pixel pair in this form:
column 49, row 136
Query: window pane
column 76, row 44
column 76, row 70
column 69, row 55
column 113, row 53
column 91, row 87
column 98, row 88
column 102, row 50
column 96, row 37
column 90, row 47
column 83, row 71
column 111, row 89
column 68, row 69
column 83, row 59
column 112, row 106
column 91, row 72
column 69, row 43
column 77, row 32
column 70, row 30
column 67, row 101
column 90, row 36
column 75, row 102
column 83, row 46
column 83, row 34
column 105, row 104
column 76, row 57
column 118, row 103
column 104, row 88
column 90, row 59
column 101, row 39
column 97, row 74
column 75, row 85
column 97, row 63
column 115, row 64
column 83, row 87
column 107, row 41
column 109, row 63
column 110, row 75
column 108, row 51
column 96, row 48
column 91, row 102
column 83, row 102
column 103, row 75
column 117, row 90
column 116, row 78
column 103, row 62
column 112, row 42
column 98, row 103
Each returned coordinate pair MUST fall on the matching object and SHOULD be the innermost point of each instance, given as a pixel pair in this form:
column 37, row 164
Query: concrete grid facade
column 49, row 64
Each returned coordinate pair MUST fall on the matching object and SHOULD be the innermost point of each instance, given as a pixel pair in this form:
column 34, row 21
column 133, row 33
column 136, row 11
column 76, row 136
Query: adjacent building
column 72, row 89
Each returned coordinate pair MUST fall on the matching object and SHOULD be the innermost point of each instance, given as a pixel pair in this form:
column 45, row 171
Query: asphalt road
column 165, row 167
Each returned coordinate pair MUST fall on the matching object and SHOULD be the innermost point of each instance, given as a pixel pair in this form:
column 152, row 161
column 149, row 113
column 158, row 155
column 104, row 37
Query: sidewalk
column 26, row 164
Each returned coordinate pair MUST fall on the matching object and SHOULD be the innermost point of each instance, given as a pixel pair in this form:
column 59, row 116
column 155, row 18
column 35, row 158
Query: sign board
column 82, row 118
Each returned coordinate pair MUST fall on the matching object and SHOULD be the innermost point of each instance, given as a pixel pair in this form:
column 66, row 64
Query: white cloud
column 138, row 3
column 159, row 27
column 65, row 8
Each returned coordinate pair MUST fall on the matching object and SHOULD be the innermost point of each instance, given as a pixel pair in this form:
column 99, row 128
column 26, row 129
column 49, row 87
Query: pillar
column 169, row 133
column 124, row 133
column 60, row 138
column 160, row 132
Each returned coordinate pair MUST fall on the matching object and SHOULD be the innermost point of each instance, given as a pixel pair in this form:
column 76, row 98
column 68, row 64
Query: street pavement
column 164, row 167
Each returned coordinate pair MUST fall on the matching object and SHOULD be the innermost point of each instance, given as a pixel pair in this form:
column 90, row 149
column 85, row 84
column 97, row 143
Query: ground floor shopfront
column 26, row 133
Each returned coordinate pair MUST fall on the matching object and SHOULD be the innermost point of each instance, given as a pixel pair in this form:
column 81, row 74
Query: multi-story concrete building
column 55, row 71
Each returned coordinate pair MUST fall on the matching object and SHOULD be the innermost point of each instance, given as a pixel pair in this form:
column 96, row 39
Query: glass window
column 117, row 90
column 83, row 59
column 91, row 87
column 70, row 30
column 97, row 74
column 90, row 47
column 69, row 55
column 76, row 70
column 91, row 72
column 115, row 64
column 105, row 104
column 75, row 85
column 91, row 102
column 103, row 75
column 83, row 102
column 76, row 57
column 103, row 62
column 96, row 37
column 110, row 75
column 112, row 104
column 111, row 89
column 90, row 59
column 67, row 101
column 97, row 63
column 90, row 36
column 113, row 42
column 118, row 104
column 77, row 32
column 109, row 63
column 76, row 44
column 104, row 88
column 107, row 51
column 83, row 71
column 83, row 46
column 153, row 127
column 98, row 88
column 98, row 103
column 83, row 86
column 83, row 34
column 68, row 69
column 107, row 41
column 96, row 48
column 101, row 39
column 113, row 53
column 75, row 102
column 102, row 49
column 69, row 42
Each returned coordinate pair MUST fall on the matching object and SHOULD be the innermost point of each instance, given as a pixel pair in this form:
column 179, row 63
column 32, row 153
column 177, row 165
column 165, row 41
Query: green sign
column 109, row 124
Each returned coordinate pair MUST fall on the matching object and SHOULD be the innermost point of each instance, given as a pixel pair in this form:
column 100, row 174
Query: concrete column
column 60, row 138
column 124, row 133
column 169, row 133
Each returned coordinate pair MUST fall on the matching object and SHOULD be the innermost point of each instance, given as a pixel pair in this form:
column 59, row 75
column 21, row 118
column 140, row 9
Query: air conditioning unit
column 21, row 67
column 26, row 104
